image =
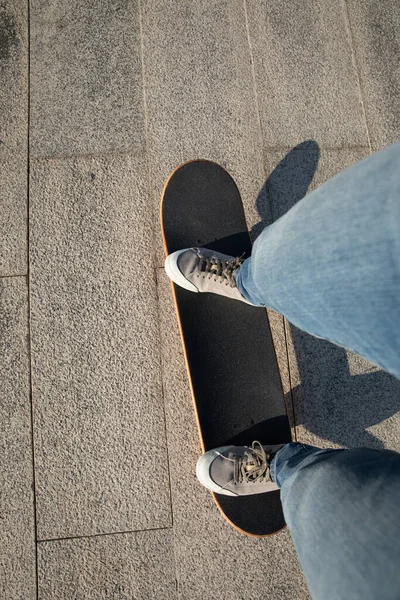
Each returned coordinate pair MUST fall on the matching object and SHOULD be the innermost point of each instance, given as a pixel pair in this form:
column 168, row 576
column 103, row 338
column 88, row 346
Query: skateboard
column 229, row 352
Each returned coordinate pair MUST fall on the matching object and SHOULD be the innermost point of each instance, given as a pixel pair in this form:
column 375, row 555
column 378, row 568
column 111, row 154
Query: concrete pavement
column 99, row 101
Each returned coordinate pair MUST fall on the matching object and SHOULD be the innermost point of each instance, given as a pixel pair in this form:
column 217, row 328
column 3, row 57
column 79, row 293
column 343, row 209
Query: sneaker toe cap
column 203, row 471
column 175, row 274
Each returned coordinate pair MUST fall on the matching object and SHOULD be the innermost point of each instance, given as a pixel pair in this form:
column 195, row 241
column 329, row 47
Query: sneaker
column 204, row 270
column 237, row 470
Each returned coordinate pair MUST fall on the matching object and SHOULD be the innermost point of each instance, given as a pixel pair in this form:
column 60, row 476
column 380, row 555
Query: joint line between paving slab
column 29, row 300
column 146, row 127
column 357, row 71
column 287, row 356
column 162, row 392
column 15, row 275
column 106, row 533
column 322, row 146
column 290, row 377
column 116, row 153
column 253, row 75
column 165, row 422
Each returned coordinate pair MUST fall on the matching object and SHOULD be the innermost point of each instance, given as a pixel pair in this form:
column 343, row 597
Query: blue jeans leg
column 331, row 264
column 342, row 509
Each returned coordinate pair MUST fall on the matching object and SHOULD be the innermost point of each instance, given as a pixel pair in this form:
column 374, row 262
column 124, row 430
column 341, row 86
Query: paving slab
column 13, row 214
column 138, row 566
column 375, row 27
column 213, row 560
column 99, row 418
column 17, row 527
column 199, row 92
column 306, row 83
column 13, row 136
column 86, row 78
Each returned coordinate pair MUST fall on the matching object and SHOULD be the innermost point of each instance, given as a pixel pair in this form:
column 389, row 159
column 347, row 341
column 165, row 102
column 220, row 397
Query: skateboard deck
column 228, row 347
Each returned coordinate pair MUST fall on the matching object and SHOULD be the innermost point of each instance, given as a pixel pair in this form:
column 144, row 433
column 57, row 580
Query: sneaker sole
column 173, row 272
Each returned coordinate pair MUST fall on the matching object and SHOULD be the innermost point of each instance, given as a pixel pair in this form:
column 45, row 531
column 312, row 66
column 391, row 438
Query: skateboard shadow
column 339, row 395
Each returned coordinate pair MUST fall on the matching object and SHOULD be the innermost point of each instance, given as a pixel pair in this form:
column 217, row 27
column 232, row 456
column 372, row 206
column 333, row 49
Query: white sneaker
column 204, row 270
column 237, row 470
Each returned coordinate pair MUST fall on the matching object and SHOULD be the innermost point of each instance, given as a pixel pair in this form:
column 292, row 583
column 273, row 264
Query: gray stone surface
column 306, row 83
column 199, row 92
column 99, row 421
column 17, row 528
column 13, row 136
column 86, row 77
column 138, row 566
column 213, row 560
column 121, row 93
column 375, row 28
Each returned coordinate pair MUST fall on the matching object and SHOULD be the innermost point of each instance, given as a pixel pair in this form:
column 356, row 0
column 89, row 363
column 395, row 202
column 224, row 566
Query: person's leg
column 342, row 509
column 331, row 264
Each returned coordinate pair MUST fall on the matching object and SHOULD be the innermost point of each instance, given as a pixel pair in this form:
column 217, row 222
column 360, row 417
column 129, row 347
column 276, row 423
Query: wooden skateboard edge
column 252, row 535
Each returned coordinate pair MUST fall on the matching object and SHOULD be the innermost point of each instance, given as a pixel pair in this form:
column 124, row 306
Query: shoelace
column 213, row 267
column 253, row 467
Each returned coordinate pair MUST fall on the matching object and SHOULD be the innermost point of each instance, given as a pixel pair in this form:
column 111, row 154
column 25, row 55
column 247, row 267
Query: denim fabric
column 343, row 511
column 331, row 264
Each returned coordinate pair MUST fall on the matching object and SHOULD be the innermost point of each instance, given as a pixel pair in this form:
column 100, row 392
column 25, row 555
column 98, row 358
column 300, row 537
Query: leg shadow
column 339, row 394
column 287, row 184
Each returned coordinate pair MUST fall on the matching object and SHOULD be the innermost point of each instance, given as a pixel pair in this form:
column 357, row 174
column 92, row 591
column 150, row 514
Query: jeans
column 331, row 266
column 342, row 509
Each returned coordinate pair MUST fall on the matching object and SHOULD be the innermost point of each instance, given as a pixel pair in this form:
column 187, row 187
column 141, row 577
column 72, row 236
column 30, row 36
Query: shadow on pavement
column 287, row 184
column 340, row 394
column 335, row 403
